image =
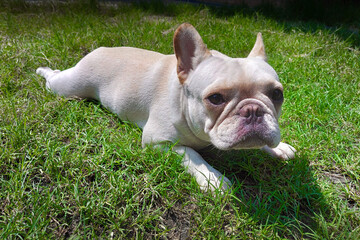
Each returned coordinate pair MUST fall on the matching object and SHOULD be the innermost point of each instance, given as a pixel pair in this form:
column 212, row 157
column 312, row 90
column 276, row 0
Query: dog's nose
column 252, row 113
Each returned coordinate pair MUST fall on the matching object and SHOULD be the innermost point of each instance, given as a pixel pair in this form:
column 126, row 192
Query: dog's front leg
column 206, row 176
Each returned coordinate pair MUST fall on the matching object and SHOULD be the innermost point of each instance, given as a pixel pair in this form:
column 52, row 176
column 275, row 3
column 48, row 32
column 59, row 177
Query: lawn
column 71, row 169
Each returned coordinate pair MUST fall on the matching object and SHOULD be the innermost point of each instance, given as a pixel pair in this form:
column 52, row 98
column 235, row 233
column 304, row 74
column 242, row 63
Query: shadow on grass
column 283, row 195
column 337, row 16
column 273, row 191
column 340, row 17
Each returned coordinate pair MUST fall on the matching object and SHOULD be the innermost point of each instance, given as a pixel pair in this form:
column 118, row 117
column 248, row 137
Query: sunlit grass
column 70, row 168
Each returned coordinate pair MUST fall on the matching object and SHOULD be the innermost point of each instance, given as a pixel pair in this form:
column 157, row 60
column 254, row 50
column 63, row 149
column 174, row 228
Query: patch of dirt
column 157, row 18
column 177, row 219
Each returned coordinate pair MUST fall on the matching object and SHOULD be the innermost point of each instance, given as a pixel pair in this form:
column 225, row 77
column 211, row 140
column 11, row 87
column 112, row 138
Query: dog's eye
column 216, row 99
column 277, row 95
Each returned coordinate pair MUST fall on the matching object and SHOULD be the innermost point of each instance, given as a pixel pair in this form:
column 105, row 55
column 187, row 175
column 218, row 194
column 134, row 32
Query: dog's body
column 194, row 98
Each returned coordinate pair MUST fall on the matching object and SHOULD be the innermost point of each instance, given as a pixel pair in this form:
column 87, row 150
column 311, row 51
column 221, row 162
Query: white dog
column 194, row 98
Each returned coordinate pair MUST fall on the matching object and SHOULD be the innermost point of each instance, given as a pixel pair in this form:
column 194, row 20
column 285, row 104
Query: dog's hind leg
column 67, row 83
column 47, row 73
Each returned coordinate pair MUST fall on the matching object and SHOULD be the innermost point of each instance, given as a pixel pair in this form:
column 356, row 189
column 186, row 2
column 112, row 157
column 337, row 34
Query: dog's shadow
column 272, row 191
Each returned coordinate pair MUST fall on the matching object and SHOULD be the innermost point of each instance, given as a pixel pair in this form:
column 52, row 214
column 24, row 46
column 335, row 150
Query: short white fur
column 166, row 95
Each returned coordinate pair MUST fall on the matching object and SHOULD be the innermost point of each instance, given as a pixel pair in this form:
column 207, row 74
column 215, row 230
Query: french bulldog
column 192, row 99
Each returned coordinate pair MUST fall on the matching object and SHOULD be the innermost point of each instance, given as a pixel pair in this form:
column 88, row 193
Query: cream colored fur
column 194, row 98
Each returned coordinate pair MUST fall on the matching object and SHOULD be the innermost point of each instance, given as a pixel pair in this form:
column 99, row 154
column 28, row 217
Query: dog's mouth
column 248, row 141
column 246, row 131
column 255, row 138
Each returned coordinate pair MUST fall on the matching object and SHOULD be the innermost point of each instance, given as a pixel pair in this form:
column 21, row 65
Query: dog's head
column 233, row 103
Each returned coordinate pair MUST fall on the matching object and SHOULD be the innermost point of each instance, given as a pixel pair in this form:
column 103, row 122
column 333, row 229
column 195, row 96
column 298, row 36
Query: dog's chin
column 249, row 143
column 250, row 140
column 255, row 143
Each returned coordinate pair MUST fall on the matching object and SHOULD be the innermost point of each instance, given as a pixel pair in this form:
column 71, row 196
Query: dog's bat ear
column 259, row 48
column 190, row 50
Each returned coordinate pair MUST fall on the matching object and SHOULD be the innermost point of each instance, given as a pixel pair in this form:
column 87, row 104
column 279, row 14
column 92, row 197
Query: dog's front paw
column 283, row 151
column 206, row 176
column 212, row 181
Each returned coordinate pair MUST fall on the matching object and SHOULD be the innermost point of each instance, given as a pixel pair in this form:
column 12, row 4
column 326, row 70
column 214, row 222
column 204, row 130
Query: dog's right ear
column 190, row 50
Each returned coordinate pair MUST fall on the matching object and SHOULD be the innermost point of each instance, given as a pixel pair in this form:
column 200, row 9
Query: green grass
column 71, row 169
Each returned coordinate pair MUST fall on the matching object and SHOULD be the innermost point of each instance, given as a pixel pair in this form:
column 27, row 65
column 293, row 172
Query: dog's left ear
column 190, row 50
column 259, row 48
